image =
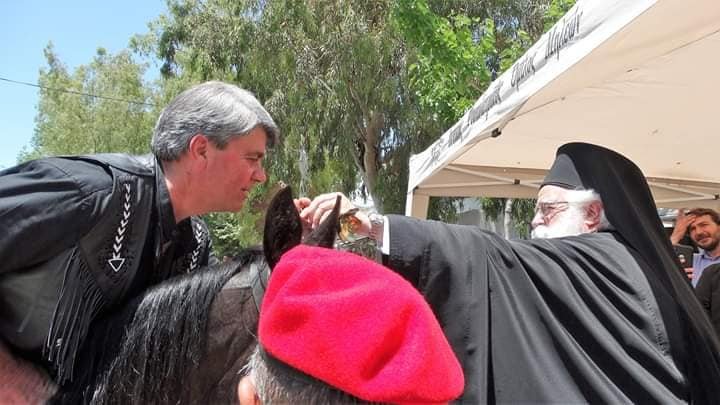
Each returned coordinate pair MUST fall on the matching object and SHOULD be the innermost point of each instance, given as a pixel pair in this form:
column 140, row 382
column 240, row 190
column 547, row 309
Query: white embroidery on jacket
column 116, row 261
column 200, row 239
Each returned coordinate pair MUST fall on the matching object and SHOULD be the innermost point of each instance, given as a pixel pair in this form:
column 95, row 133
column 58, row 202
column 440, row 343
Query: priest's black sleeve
column 569, row 320
column 441, row 261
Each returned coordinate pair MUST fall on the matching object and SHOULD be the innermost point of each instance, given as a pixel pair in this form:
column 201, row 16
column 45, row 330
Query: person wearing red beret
column 338, row 328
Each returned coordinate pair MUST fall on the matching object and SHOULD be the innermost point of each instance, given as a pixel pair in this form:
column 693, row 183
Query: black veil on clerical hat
column 631, row 210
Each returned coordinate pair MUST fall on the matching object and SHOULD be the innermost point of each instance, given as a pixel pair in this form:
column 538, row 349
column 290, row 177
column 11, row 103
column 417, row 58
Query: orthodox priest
column 593, row 309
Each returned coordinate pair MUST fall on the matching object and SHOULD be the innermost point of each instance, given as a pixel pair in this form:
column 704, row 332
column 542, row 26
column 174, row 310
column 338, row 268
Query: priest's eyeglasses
column 547, row 209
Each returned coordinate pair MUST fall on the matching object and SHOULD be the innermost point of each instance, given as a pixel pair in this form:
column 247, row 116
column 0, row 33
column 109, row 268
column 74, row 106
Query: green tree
column 70, row 120
column 457, row 47
column 450, row 56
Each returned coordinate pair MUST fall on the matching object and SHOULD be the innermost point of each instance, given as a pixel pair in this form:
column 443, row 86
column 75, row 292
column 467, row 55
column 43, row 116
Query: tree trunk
column 369, row 126
column 371, row 160
column 507, row 218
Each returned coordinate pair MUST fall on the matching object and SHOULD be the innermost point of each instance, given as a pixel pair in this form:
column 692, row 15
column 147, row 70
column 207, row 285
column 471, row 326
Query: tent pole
column 417, row 205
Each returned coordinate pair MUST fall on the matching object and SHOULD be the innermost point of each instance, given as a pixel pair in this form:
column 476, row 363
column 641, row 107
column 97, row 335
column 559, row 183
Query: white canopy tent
column 641, row 77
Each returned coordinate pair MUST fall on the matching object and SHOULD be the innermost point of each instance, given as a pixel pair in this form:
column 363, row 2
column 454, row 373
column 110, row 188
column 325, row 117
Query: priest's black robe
column 567, row 320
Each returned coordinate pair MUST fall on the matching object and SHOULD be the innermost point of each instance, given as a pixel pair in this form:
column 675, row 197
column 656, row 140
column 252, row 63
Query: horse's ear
column 324, row 235
column 283, row 228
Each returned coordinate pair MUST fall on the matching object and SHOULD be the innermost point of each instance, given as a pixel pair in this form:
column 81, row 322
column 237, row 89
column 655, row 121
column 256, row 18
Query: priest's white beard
column 566, row 223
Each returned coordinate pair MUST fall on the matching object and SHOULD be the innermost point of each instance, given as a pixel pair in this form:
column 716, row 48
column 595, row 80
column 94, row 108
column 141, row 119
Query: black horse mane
column 168, row 337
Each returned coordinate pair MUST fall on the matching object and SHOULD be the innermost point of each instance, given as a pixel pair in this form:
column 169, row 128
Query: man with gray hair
column 595, row 309
column 83, row 234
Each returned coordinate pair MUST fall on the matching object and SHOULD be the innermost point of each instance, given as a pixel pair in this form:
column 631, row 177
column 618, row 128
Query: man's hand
column 314, row 212
column 300, row 204
column 689, row 272
column 682, row 223
column 22, row 382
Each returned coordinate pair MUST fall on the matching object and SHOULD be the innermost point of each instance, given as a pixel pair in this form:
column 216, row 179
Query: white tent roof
column 641, row 77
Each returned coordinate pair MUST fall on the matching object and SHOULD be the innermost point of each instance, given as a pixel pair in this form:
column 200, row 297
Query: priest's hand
column 320, row 207
column 22, row 382
column 300, row 204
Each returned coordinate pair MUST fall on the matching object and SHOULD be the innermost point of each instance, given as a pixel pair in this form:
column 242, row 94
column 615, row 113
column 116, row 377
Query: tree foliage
column 458, row 47
column 450, row 68
column 72, row 121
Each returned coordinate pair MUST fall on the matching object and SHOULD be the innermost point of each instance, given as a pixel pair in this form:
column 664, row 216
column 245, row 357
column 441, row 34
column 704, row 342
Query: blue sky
column 76, row 28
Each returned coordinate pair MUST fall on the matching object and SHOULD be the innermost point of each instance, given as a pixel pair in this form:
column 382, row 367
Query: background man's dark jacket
column 708, row 292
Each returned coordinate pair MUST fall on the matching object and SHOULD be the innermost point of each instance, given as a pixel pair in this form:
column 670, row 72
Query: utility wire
column 79, row 93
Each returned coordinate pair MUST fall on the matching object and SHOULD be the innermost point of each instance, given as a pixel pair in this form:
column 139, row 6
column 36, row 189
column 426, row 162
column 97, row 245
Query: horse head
column 284, row 229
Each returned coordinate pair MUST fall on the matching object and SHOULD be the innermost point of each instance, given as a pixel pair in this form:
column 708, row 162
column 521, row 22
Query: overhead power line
column 79, row 93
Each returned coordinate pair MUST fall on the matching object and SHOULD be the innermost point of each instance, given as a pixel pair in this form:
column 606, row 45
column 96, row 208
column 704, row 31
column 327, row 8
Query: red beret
column 358, row 327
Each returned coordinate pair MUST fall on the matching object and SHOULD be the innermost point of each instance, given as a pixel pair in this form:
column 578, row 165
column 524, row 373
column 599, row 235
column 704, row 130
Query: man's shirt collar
column 706, row 255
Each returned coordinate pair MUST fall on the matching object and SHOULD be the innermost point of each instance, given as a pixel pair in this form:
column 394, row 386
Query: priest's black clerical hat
column 563, row 174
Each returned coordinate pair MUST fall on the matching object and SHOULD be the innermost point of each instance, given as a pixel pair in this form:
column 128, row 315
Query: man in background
column 703, row 226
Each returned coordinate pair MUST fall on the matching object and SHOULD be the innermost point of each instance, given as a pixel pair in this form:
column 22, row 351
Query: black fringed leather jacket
column 79, row 236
